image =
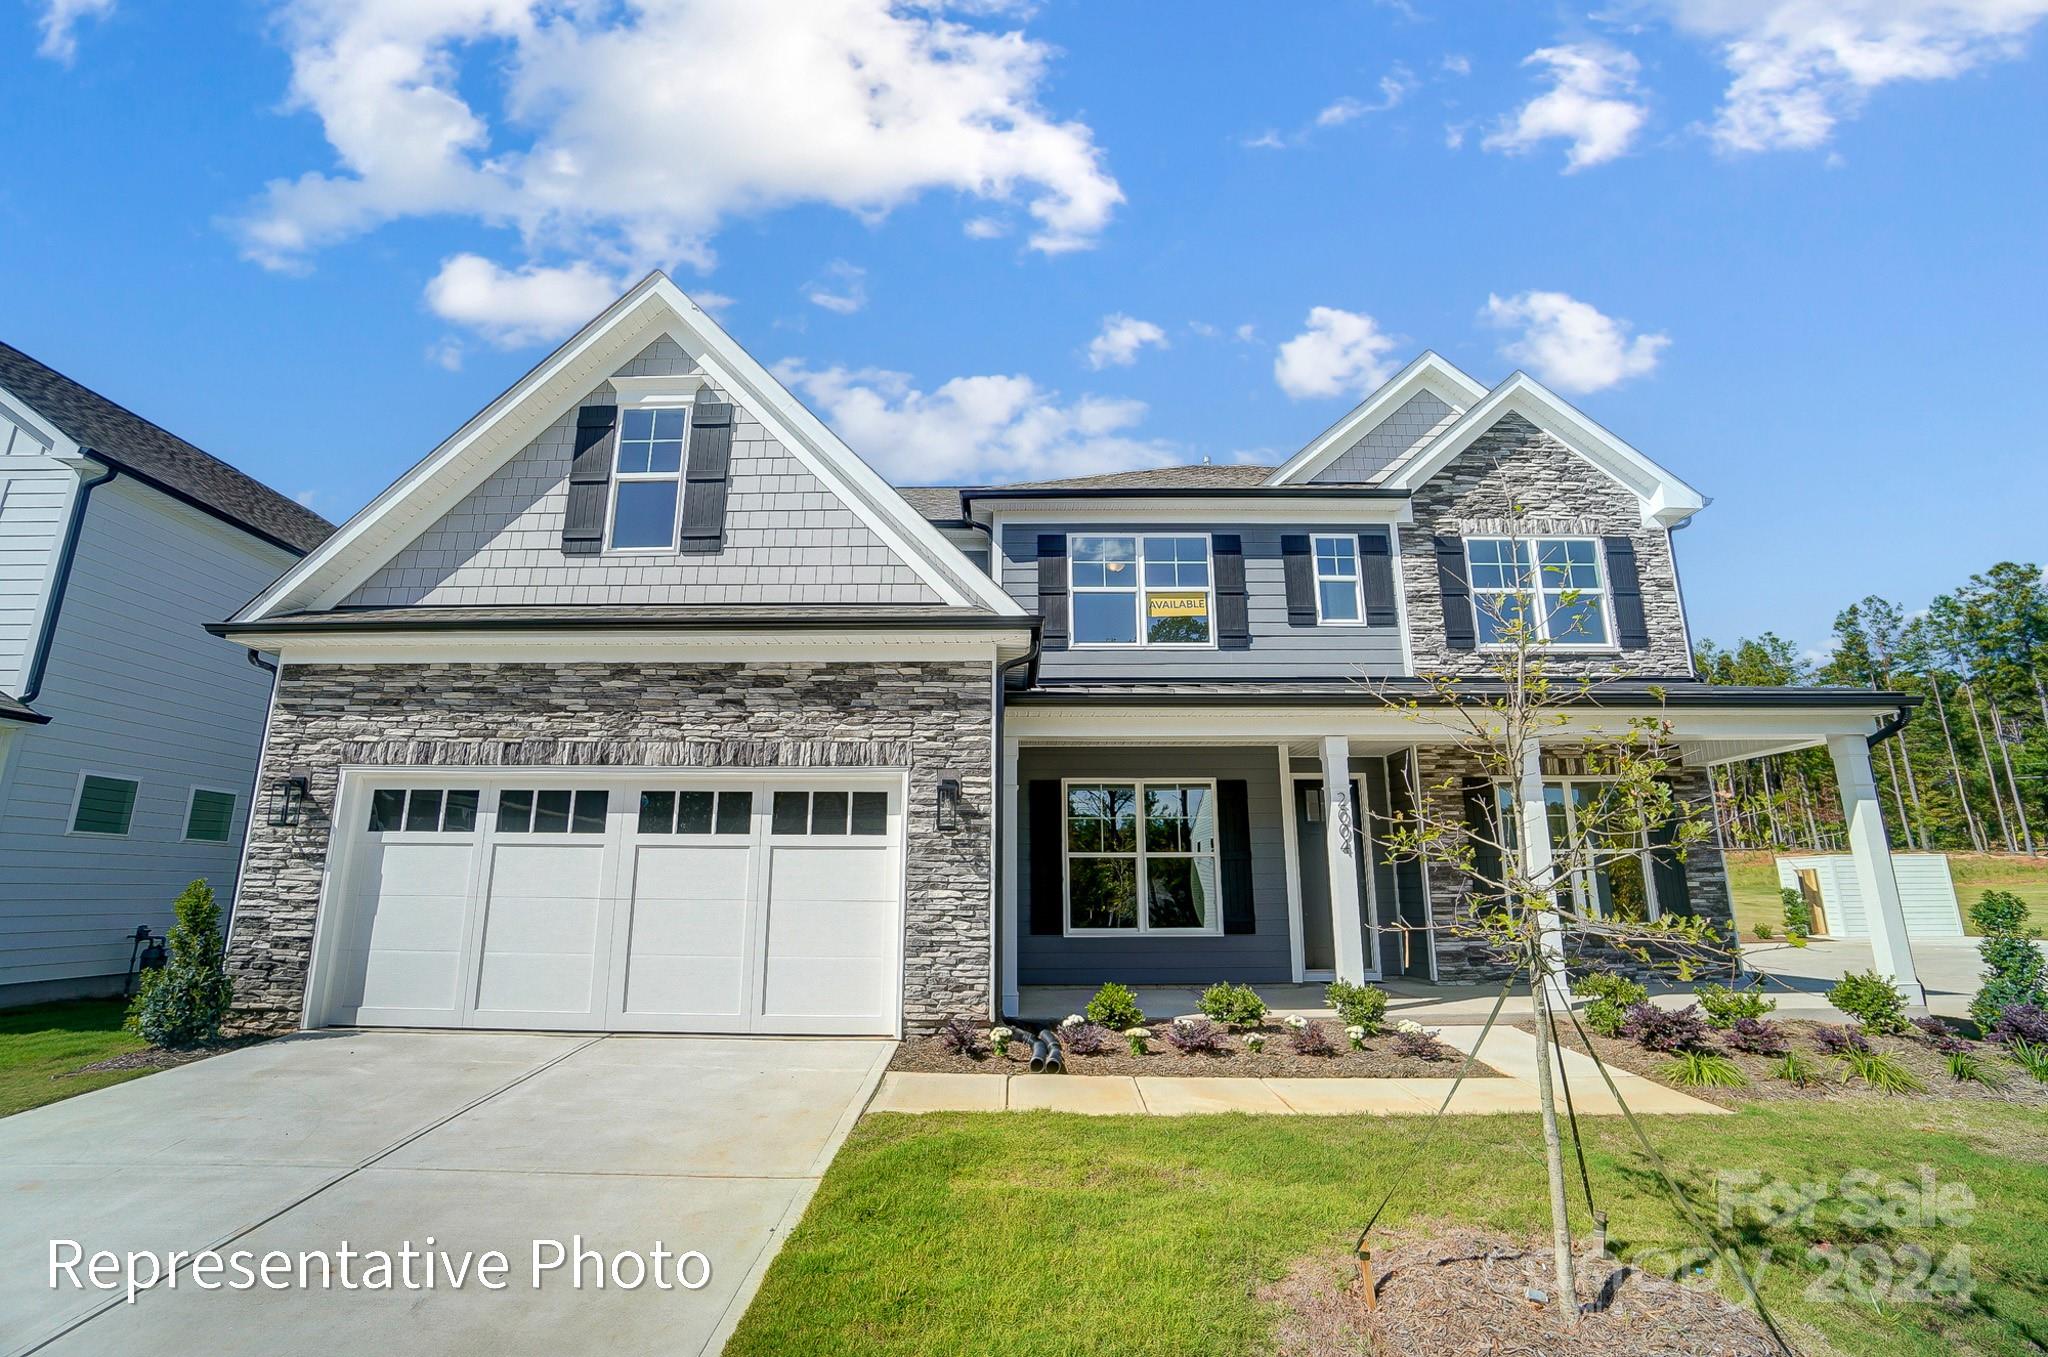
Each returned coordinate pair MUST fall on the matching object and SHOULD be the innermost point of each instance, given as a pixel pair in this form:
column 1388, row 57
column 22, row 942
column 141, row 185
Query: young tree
column 184, row 1002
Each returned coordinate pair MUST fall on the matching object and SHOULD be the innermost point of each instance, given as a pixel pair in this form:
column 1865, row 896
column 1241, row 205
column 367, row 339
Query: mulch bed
column 1914, row 1053
column 157, row 1058
column 1463, row 1292
column 1277, row 1061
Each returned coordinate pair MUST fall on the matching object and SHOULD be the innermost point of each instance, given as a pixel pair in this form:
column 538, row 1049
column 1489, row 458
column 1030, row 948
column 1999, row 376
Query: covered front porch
column 1171, row 839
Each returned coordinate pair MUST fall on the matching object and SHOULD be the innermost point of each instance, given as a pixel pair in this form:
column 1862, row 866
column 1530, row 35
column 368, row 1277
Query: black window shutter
column 1625, row 586
column 1234, row 855
column 706, row 474
column 1376, row 574
column 1667, row 873
column 590, row 479
column 1052, row 591
column 1460, row 631
column 1482, row 823
column 1300, row 571
column 1048, row 863
column 1233, row 618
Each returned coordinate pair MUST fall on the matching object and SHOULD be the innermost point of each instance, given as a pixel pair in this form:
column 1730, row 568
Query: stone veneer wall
column 921, row 715
column 1468, row 960
column 1559, row 492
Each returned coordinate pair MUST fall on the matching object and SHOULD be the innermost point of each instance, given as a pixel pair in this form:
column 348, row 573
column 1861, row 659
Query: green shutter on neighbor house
column 106, row 805
column 211, row 817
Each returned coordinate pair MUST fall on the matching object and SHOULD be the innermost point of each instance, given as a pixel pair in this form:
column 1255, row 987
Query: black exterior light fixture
column 949, row 799
column 146, row 953
column 286, row 795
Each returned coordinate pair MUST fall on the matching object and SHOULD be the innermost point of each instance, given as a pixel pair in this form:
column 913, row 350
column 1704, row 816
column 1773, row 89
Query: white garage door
column 648, row 902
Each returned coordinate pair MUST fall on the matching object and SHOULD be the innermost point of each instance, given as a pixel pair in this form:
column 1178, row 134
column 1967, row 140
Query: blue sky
column 1791, row 250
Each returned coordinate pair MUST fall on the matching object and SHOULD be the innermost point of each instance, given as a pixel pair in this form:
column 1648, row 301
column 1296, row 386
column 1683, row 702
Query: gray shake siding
column 1261, row 955
column 1418, row 421
column 1278, row 650
column 788, row 538
column 1560, row 492
column 923, row 716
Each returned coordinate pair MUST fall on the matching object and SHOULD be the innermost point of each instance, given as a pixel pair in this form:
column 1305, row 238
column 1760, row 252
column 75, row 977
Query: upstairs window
column 647, row 479
column 1337, row 594
column 1140, row 590
column 1554, row 586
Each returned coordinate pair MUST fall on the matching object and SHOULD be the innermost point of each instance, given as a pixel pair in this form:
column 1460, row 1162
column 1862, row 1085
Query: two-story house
column 642, row 703
column 128, row 736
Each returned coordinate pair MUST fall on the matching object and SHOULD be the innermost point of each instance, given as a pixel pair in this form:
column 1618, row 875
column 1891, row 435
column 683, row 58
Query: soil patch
column 157, row 1058
column 1278, row 1060
column 1463, row 1292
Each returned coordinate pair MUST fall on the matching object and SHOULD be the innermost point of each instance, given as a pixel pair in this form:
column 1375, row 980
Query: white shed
column 1927, row 893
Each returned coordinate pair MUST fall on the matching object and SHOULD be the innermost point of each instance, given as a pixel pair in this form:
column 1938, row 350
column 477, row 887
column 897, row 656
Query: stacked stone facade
column 918, row 716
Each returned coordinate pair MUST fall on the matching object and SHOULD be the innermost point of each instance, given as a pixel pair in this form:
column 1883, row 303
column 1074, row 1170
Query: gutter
column 1341, row 694
column 598, row 620
column 39, row 666
column 1892, row 725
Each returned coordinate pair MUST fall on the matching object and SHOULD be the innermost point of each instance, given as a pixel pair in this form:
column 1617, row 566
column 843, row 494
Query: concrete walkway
column 1508, row 1050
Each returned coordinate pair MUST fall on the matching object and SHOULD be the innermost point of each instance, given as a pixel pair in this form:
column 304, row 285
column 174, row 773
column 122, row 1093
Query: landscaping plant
column 1084, row 1038
column 1669, row 1030
column 184, row 1001
column 1613, row 995
column 1758, row 1036
column 2020, row 1022
column 1966, row 1066
column 1795, row 1069
column 1115, row 1006
column 1703, row 1069
column 1255, row 1043
column 1839, row 1040
column 999, row 1039
column 1195, row 1036
column 2031, row 1057
column 1356, row 1036
column 1358, row 1005
column 1764, row 932
column 961, row 1037
column 1941, row 1036
column 1880, row 1070
column 1416, row 1042
column 1311, row 1039
column 1233, row 1005
column 1725, row 1007
column 1798, row 914
column 1872, row 1000
column 2014, row 970
column 1136, row 1037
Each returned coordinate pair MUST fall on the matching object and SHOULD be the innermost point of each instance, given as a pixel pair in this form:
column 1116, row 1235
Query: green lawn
column 1753, row 880
column 39, row 1043
column 1037, row 1233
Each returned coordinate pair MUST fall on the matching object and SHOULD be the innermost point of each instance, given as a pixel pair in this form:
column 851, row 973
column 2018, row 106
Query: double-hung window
column 1612, row 878
column 647, row 479
column 1338, row 598
column 1140, row 589
column 1141, row 858
column 1552, row 586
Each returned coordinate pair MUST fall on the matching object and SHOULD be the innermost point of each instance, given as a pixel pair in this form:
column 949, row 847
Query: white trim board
column 625, row 646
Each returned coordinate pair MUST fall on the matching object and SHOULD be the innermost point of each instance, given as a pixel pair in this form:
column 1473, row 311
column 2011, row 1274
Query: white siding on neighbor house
column 135, row 688
column 1927, row 893
column 35, row 500
column 788, row 538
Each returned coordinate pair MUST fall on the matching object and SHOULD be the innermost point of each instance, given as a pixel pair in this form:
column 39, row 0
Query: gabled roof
column 1667, row 500
column 655, row 306
column 1429, row 372
column 120, row 438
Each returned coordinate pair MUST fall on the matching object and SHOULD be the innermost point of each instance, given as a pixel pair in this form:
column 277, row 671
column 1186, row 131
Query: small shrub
column 1669, row 1030
column 1798, row 914
column 1358, row 1005
column 1764, row 932
column 183, row 1002
column 1881, row 1071
column 1195, row 1036
column 1136, row 1037
column 1871, row 1000
column 1356, row 1036
column 961, row 1037
column 1115, row 1006
column 1795, row 1069
column 2014, row 970
column 1311, row 1039
column 2031, row 1057
column 1725, row 1007
column 1255, row 1043
column 1758, row 1036
column 1942, row 1037
column 1839, row 1040
column 1084, row 1038
column 1420, row 1044
column 1612, row 997
column 1703, row 1069
column 2020, row 1022
column 999, row 1039
column 1967, row 1067
column 1233, row 1005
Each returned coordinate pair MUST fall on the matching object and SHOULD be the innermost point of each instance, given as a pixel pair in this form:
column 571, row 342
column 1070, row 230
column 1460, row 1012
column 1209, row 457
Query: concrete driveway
column 480, row 1140
column 1950, row 969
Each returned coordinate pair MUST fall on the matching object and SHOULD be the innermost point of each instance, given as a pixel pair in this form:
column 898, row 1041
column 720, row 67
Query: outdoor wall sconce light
column 949, row 799
column 286, row 795
column 146, row 953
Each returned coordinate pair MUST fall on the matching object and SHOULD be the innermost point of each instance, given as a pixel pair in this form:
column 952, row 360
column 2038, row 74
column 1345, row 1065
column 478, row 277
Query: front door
column 1318, row 930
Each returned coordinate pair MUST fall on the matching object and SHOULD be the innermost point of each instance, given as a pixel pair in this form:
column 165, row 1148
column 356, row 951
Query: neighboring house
column 128, row 736
column 643, row 704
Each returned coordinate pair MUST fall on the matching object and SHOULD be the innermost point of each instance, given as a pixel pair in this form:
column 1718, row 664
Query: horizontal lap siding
column 1278, row 650
column 1263, row 955
column 35, row 498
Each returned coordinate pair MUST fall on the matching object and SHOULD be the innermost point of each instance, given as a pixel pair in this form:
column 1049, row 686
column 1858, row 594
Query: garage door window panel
column 553, row 810
column 696, row 812
column 831, row 814
column 423, row 810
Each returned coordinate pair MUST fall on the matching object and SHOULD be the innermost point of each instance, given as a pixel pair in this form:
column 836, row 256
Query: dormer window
column 647, row 479
column 1152, row 590
column 1563, row 600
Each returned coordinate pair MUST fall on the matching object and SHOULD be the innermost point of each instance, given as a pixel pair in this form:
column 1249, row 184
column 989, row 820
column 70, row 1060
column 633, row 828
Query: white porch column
column 1532, row 837
column 1339, row 827
column 1890, row 949
column 1007, row 932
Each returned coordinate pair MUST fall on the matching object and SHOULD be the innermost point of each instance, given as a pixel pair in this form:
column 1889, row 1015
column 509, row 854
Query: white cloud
column 1799, row 66
column 985, row 228
column 1590, row 104
column 446, row 353
column 511, row 307
column 842, row 288
column 717, row 303
column 1456, row 63
column 1340, row 352
column 1570, row 344
column 1120, row 340
column 972, row 429
column 59, row 22
column 1394, row 86
column 1454, row 135
column 1245, row 333
column 628, row 135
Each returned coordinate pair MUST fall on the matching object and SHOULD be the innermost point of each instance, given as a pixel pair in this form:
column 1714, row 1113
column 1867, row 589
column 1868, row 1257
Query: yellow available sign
column 1177, row 605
